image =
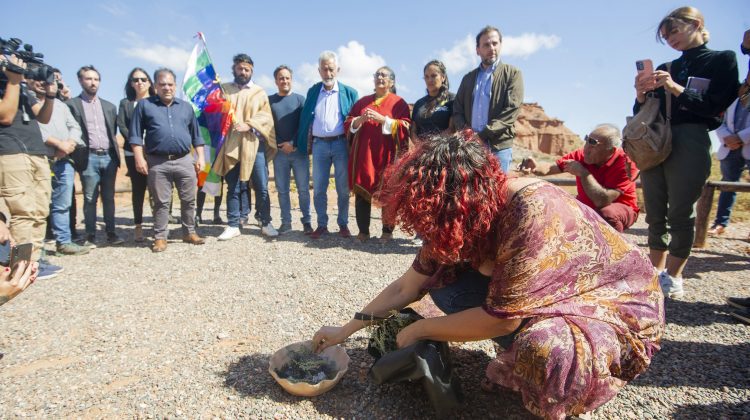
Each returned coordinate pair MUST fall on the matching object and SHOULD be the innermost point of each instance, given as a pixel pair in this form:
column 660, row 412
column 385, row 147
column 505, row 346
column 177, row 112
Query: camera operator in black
column 24, row 171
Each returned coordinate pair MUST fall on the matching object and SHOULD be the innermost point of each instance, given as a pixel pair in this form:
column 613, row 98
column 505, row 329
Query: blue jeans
column 259, row 178
column 283, row 166
column 468, row 291
column 731, row 170
column 62, row 198
column 98, row 177
column 505, row 157
column 326, row 153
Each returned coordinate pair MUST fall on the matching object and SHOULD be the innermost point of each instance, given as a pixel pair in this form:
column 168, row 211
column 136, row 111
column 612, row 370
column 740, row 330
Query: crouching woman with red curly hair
column 575, row 305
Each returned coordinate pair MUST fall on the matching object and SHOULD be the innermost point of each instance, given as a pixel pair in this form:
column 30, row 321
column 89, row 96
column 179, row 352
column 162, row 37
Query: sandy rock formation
column 538, row 132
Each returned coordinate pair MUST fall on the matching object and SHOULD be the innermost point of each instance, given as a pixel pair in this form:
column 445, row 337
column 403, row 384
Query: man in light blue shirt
column 489, row 98
column 322, row 124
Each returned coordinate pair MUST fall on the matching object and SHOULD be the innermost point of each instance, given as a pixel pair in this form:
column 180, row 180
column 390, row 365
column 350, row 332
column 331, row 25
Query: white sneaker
column 269, row 231
column 229, row 233
column 671, row 286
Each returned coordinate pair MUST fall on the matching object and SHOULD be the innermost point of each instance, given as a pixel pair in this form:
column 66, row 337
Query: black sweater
column 720, row 67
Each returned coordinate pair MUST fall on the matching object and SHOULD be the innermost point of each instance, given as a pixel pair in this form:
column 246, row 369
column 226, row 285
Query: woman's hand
column 327, row 337
column 664, row 79
column 373, row 115
column 643, row 85
column 24, row 275
column 409, row 335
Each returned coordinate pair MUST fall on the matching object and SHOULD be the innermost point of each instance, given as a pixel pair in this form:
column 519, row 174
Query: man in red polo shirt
column 604, row 176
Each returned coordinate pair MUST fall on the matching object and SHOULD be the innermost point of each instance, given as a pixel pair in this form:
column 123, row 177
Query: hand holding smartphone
column 645, row 78
column 18, row 253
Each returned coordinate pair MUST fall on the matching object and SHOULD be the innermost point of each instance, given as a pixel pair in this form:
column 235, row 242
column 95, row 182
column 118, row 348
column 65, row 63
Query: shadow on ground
column 707, row 365
column 249, row 377
column 713, row 411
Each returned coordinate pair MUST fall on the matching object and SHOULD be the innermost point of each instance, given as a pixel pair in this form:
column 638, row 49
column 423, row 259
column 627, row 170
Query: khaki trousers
column 25, row 188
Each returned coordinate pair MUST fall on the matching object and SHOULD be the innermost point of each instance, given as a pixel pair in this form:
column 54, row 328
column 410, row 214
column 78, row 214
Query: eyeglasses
column 591, row 141
column 381, row 74
column 139, row 79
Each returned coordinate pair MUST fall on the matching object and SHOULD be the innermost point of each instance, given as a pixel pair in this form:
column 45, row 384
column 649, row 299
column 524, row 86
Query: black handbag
column 80, row 158
column 427, row 361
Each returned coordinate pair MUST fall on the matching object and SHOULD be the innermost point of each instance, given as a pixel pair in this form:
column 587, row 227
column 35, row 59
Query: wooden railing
column 706, row 203
column 703, row 208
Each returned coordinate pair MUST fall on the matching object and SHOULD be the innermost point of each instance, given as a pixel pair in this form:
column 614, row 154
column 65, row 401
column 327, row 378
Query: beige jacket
column 251, row 106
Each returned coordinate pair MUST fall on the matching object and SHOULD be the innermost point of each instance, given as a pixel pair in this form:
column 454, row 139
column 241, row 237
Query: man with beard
column 321, row 130
column 98, row 163
column 170, row 130
column 250, row 145
column 489, row 98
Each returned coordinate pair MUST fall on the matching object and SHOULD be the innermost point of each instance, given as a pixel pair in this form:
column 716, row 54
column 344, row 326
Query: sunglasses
column 382, row 74
column 139, row 79
column 591, row 141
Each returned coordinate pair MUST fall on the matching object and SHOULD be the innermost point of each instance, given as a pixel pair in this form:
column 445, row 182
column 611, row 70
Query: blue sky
column 577, row 57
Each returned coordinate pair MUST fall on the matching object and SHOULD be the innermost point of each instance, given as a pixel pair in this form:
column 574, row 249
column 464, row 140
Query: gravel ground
column 187, row 334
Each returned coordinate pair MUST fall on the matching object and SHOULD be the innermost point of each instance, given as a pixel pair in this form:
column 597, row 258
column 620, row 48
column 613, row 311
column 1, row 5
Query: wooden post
column 703, row 211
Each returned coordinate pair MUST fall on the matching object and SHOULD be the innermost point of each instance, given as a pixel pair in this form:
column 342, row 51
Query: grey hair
column 328, row 55
column 611, row 132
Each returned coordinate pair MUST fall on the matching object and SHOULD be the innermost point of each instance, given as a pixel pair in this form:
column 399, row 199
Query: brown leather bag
column 647, row 136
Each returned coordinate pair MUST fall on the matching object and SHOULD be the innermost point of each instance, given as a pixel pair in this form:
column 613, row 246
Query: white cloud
column 266, row 82
column 527, row 44
column 463, row 55
column 357, row 67
column 162, row 55
column 114, row 8
column 171, row 56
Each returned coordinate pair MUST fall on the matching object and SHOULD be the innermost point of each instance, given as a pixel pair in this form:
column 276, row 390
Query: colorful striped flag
column 202, row 88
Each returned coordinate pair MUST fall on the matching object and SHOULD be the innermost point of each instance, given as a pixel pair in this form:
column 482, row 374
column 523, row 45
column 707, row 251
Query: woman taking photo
column 137, row 87
column 432, row 113
column 575, row 305
column 378, row 127
column 672, row 188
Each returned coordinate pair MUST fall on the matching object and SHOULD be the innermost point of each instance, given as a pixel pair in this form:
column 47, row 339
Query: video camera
column 35, row 67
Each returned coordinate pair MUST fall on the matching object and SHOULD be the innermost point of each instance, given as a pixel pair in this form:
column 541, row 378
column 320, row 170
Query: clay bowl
column 335, row 353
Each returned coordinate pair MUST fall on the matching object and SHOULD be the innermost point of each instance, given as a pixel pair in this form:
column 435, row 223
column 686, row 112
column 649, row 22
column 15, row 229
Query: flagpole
column 208, row 53
column 221, row 87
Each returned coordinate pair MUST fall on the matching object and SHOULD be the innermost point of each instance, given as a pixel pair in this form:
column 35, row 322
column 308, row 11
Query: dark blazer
column 81, row 156
column 124, row 116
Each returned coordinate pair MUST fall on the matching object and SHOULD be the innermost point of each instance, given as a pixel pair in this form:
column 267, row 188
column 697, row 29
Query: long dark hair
column 442, row 96
column 130, row 91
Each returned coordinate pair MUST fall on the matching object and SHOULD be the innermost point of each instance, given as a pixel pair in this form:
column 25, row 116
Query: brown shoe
column 716, row 230
column 138, row 233
column 194, row 239
column 159, row 245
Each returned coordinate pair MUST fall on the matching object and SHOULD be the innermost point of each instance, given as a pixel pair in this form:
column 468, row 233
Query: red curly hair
column 450, row 190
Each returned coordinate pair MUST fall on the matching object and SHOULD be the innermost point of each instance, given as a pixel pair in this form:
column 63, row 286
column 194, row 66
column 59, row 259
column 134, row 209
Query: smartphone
column 20, row 252
column 5, row 254
column 645, row 69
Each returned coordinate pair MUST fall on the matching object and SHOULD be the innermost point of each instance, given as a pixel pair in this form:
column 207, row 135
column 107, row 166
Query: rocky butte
column 538, row 132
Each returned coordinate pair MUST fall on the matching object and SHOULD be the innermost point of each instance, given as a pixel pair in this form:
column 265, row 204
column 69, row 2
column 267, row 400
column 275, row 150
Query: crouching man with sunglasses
column 604, row 176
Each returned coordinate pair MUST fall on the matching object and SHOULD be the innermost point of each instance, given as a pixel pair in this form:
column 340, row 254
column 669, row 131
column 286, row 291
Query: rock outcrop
column 538, row 132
